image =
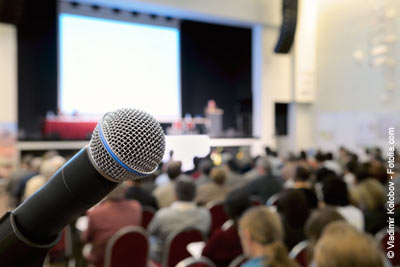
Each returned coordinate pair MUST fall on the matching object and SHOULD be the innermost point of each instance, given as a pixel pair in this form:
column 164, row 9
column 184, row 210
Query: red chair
column 193, row 262
column 255, row 201
column 218, row 215
column 176, row 243
column 147, row 215
column 383, row 237
column 299, row 253
column 62, row 251
column 238, row 261
column 129, row 247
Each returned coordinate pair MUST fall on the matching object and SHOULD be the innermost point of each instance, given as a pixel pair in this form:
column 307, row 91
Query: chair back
column 238, row 261
column 273, row 200
column 218, row 215
column 196, row 262
column 299, row 253
column 176, row 243
column 384, row 237
column 147, row 215
column 127, row 247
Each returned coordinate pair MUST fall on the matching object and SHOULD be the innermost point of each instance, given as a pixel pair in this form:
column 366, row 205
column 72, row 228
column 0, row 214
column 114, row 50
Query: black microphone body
column 75, row 187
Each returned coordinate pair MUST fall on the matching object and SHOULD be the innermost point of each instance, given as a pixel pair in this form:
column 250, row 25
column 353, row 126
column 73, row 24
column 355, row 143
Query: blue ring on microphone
column 115, row 157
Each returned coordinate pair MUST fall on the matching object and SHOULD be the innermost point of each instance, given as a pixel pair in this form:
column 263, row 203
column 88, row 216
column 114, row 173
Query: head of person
column 320, row 157
column 218, row 175
column 117, row 194
column 369, row 195
column 261, row 235
column 263, row 165
column 50, row 166
column 302, row 174
column 205, row 166
column 236, row 203
column 293, row 207
column 343, row 245
column 318, row 220
column 185, row 189
column 334, row 191
column 174, row 169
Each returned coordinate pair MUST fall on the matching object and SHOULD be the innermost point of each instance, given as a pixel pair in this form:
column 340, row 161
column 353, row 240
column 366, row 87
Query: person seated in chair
column 183, row 213
column 106, row 219
column 224, row 245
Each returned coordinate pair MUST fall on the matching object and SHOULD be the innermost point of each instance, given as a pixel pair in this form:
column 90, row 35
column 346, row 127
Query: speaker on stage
column 288, row 28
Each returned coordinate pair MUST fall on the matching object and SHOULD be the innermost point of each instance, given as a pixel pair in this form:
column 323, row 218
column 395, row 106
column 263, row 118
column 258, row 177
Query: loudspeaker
column 281, row 119
column 288, row 28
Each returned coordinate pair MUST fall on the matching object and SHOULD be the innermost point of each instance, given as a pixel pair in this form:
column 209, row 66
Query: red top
column 223, row 246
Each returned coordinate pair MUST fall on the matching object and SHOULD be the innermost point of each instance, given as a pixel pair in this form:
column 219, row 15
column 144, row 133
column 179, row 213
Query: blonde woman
column 342, row 245
column 261, row 235
column 369, row 196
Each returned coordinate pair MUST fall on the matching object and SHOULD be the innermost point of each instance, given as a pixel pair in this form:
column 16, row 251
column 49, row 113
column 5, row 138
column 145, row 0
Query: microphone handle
column 75, row 188
column 16, row 250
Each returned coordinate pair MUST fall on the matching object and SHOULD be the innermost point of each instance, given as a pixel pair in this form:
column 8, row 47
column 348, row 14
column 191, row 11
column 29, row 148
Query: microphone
column 126, row 144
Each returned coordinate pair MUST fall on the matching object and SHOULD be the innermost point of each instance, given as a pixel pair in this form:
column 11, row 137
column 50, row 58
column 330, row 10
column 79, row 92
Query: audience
column 335, row 194
column 224, row 245
column 181, row 214
column 165, row 194
column 343, row 245
column 315, row 204
column 215, row 190
column 106, row 219
column 261, row 235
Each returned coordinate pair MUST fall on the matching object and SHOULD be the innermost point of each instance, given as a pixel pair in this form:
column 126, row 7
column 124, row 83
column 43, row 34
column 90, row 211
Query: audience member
column 215, row 190
column 47, row 169
column 224, row 245
column 302, row 181
column 19, row 189
column 25, row 169
column 165, row 194
column 334, row 191
column 261, row 235
column 342, row 245
column 234, row 179
column 205, row 167
column 369, row 196
column 134, row 191
column 294, row 210
column 264, row 187
column 316, row 224
column 262, row 166
column 332, row 164
column 274, row 161
column 106, row 219
column 322, row 171
column 181, row 214
column 349, row 173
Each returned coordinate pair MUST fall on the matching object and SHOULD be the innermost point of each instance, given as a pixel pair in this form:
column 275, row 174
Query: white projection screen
column 108, row 64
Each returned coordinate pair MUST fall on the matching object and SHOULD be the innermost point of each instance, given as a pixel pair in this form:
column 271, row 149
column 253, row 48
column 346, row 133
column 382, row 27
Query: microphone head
column 127, row 144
